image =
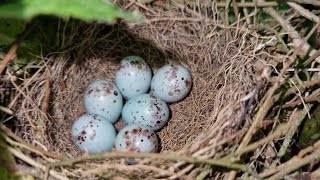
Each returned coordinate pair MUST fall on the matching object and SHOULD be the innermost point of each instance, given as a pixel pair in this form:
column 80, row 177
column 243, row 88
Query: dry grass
column 227, row 64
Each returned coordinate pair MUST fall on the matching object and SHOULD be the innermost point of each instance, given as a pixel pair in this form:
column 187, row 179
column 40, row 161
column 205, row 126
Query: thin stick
column 226, row 12
column 6, row 110
column 296, row 164
column 301, row 88
column 312, row 2
column 280, row 131
column 293, row 34
column 204, row 174
column 235, row 8
column 246, row 13
column 169, row 157
column 37, row 150
column 304, row 12
column 311, row 98
column 274, row 170
column 250, row 4
column 297, row 116
column 13, row 48
column 32, row 162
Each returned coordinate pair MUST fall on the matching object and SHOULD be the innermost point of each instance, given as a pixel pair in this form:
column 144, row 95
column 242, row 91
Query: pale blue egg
column 133, row 76
column 146, row 110
column 93, row 133
column 103, row 98
column 136, row 138
column 171, row 83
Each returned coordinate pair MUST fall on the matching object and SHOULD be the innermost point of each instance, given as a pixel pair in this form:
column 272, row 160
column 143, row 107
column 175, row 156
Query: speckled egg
column 103, row 98
column 146, row 110
column 136, row 138
column 93, row 133
column 133, row 76
column 171, row 83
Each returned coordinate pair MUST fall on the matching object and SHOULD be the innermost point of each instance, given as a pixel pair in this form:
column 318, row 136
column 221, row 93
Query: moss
column 6, row 159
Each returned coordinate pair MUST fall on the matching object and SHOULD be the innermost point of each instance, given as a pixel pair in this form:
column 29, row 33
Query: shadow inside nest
column 116, row 41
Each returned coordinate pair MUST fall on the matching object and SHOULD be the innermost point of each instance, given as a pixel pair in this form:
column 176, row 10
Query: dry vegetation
column 246, row 106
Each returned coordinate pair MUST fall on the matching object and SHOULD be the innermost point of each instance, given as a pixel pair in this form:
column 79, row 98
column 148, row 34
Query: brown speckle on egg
column 187, row 83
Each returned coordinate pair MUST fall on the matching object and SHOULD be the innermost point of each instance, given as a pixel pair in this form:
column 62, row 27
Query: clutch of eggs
column 143, row 113
column 93, row 133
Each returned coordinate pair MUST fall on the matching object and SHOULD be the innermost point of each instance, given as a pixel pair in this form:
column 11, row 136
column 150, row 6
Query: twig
column 301, row 88
column 246, row 13
column 295, row 164
column 274, row 170
column 309, row 149
column 248, row 105
column 280, row 131
column 312, row 2
column 265, row 106
column 315, row 174
column 235, row 8
column 36, row 150
column 226, row 12
column 250, row 4
column 293, row 34
column 311, row 98
column 6, row 110
column 32, row 162
column 304, row 12
column 169, row 157
column 204, row 174
column 310, row 59
column 297, row 116
column 13, row 48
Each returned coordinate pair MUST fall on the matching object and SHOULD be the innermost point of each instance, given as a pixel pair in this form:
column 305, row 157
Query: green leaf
column 9, row 29
column 102, row 10
column 310, row 130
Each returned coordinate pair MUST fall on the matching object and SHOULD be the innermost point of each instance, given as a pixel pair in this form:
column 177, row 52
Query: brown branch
column 13, row 48
column 308, row 99
column 250, row 4
column 301, row 87
column 304, row 12
column 312, row 2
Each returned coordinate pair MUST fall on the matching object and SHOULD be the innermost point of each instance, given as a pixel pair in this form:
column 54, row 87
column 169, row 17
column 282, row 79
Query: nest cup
column 201, row 125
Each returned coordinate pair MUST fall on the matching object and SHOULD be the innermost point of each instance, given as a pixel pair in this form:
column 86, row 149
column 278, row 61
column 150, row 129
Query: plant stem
column 295, row 164
column 169, row 157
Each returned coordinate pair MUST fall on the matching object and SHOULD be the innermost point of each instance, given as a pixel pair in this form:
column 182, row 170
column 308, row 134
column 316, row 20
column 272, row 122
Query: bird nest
column 229, row 65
